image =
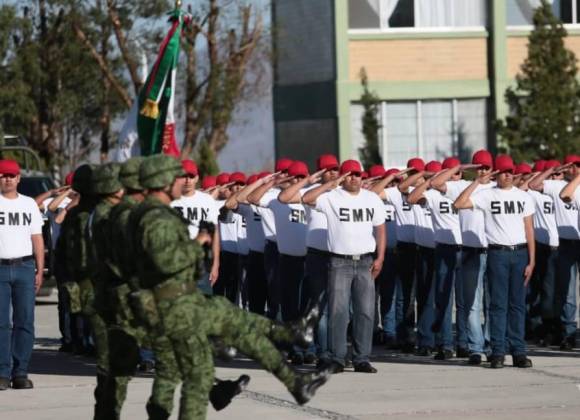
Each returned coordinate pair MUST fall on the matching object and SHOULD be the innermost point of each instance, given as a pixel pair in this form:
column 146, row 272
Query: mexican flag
column 152, row 118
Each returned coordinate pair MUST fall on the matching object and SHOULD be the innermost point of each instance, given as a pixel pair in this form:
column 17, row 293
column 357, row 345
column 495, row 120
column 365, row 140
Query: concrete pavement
column 406, row 387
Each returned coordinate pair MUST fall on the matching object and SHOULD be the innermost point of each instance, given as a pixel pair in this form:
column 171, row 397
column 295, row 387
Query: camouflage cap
column 83, row 179
column 129, row 174
column 106, row 178
column 159, row 171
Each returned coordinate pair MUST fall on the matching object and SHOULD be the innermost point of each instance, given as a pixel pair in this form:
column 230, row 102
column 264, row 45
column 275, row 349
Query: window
column 521, row 12
column 432, row 130
column 385, row 14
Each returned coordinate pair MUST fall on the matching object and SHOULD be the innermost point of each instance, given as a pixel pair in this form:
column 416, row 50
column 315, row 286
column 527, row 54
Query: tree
column 544, row 120
column 369, row 153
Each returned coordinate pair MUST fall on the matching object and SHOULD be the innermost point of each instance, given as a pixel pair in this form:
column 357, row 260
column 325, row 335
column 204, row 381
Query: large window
column 521, row 12
column 432, row 130
column 385, row 14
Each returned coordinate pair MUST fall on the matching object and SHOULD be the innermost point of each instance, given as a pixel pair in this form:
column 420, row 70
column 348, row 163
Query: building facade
column 439, row 67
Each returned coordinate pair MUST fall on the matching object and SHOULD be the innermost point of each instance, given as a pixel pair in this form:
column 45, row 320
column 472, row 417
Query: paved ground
column 406, row 387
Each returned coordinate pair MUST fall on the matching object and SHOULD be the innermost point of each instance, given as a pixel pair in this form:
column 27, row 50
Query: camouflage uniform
column 174, row 309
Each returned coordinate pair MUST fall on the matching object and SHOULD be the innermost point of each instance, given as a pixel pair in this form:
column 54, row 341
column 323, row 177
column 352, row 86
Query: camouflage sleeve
column 166, row 243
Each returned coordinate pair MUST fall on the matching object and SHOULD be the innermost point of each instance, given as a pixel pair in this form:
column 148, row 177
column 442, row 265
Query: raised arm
column 54, row 204
column 417, row 195
column 311, row 196
column 258, row 193
column 404, row 186
column 525, row 186
column 464, row 199
column 567, row 193
column 291, row 195
column 379, row 187
column 241, row 197
column 538, row 183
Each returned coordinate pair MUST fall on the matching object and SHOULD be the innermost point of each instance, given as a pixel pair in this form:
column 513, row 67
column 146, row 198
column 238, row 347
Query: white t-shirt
column 545, row 229
column 20, row 218
column 405, row 219
column 228, row 225
column 51, row 216
column 576, row 201
column 504, row 212
column 317, row 229
column 424, row 233
column 471, row 221
column 268, row 223
column 445, row 218
column 391, row 225
column 254, row 232
column 566, row 213
column 243, row 245
column 197, row 208
column 290, row 222
column 351, row 219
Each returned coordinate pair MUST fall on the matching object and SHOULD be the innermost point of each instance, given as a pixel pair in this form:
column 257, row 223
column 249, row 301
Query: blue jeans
column 568, row 265
column 471, row 276
column 351, row 280
column 316, row 283
column 272, row 280
column 447, row 266
column 425, row 297
column 507, row 304
column 16, row 339
column 391, row 305
column 406, row 267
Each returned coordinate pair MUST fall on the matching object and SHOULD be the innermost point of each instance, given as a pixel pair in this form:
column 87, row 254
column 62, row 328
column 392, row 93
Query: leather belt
column 351, row 257
column 477, row 249
column 15, row 261
column 569, row 241
column 508, row 247
column 315, row 251
column 455, row 247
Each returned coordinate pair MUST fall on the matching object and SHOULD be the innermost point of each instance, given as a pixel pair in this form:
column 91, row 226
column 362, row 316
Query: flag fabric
column 156, row 119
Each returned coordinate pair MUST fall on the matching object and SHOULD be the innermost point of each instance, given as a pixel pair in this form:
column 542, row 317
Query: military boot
column 300, row 333
column 223, row 392
column 156, row 412
column 306, row 384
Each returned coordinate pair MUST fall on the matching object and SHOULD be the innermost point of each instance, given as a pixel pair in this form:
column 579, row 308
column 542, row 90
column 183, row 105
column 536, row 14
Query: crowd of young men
column 385, row 255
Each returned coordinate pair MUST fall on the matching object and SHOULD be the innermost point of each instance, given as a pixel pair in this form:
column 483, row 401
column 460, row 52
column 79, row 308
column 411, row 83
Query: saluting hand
column 340, row 180
column 316, row 176
column 486, row 177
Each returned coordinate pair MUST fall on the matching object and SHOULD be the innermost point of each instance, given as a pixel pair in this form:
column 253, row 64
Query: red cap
column 433, row 166
column 283, row 164
column 539, row 165
column 252, row 179
column 364, row 175
column 483, row 158
column 209, row 181
column 523, row 168
column 327, row 162
column 9, row 167
column 572, row 159
column 350, row 166
column 238, row 178
column 392, row 171
column 417, row 164
column 298, row 168
column 68, row 179
column 264, row 174
column 223, row 178
column 189, row 167
column 451, row 162
column 376, row 171
column 551, row 164
column 504, row 163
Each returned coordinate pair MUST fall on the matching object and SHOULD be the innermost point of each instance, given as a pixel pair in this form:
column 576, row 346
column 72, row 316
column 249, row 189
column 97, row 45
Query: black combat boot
column 156, row 412
column 306, row 384
column 223, row 392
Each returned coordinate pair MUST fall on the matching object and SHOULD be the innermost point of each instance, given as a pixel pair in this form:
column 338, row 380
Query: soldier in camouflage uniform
column 124, row 333
column 172, row 308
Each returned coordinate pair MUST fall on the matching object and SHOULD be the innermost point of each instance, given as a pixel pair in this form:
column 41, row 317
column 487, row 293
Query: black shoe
column 365, row 367
column 66, row 348
column 408, row 348
column 4, row 384
column 522, row 362
column 567, row 344
column 297, row 359
column 424, row 351
column 462, row 353
column 22, row 382
column 391, row 343
column 223, row 392
column 330, row 366
column 496, row 362
column 305, row 385
column 147, row 366
column 443, row 355
column 309, row 358
column 474, row 359
column 347, row 363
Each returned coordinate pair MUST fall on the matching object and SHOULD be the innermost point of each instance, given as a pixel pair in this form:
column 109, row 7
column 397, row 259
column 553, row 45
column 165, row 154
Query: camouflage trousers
column 184, row 353
column 102, row 348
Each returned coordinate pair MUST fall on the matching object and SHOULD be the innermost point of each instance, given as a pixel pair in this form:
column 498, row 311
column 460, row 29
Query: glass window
column 521, row 12
column 401, row 132
column 373, row 14
column 436, row 129
column 470, row 127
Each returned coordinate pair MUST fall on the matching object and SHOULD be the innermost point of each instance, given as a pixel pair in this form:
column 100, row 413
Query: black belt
column 15, row 261
column 569, row 241
column 550, row 247
column 315, row 251
column 508, row 247
column 478, row 249
column 455, row 247
column 351, row 257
